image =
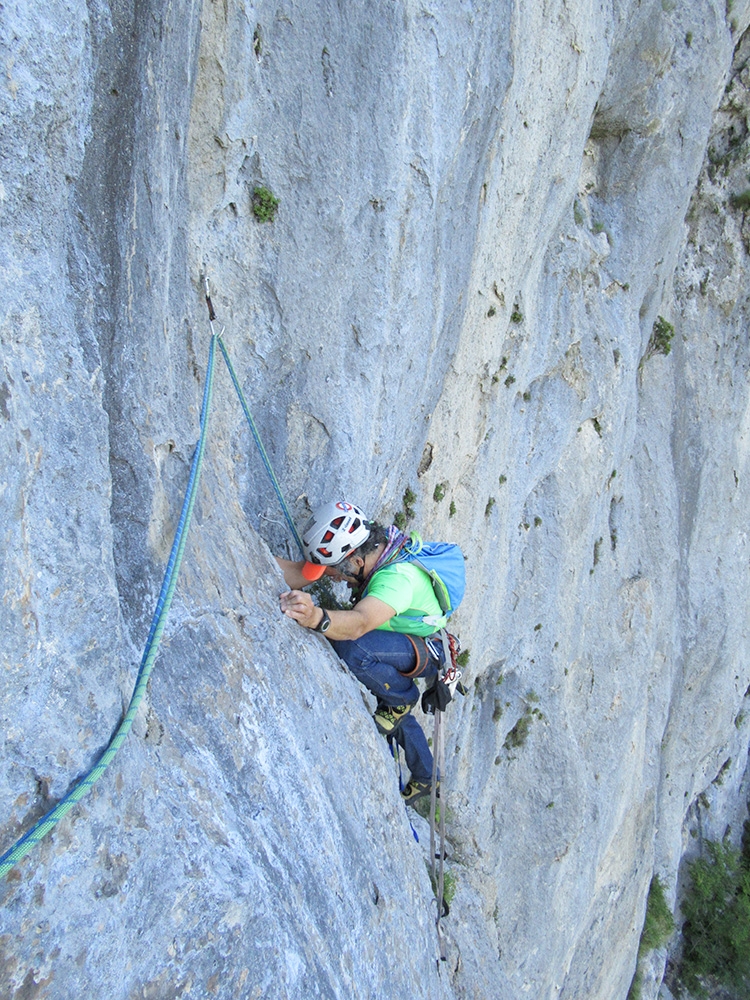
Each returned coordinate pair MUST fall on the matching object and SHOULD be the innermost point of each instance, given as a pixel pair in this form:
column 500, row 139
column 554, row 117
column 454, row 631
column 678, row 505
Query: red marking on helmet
column 337, row 522
column 355, row 524
column 328, row 536
column 343, row 505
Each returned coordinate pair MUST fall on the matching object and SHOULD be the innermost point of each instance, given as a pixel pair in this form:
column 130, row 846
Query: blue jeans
column 376, row 659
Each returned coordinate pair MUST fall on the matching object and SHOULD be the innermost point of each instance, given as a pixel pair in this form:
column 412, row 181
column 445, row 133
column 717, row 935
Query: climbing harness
column 44, row 825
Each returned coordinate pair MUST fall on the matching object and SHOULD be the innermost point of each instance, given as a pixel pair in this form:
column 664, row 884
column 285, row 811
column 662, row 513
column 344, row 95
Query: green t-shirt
column 408, row 590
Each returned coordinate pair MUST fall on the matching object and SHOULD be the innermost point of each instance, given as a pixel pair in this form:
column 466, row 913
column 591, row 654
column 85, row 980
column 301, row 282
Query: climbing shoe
column 416, row 790
column 389, row 717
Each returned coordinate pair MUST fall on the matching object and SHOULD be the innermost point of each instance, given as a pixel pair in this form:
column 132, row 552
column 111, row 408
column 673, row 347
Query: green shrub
column 741, row 201
column 264, row 204
column 519, row 733
column 660, row 341
column 716, row 932
column 658, row 927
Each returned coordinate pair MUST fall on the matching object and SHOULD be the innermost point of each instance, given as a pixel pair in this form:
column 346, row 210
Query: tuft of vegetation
column 660, row 341
column 597, row 553
column 510, row 380
column 502, row 480
column 264, row 204
column 716, row 932
column 578, row 216
column 491, row 311
column 516, row 316
column 452, row 509
column 519, row 733
column 402, row 517
column 741, row 201
column 450, row 884
column 490, row 505
column 658, row 927
column 439, row 492
column 463, row 657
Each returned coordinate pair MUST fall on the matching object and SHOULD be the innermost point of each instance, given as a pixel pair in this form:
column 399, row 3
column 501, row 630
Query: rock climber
column 383, row 639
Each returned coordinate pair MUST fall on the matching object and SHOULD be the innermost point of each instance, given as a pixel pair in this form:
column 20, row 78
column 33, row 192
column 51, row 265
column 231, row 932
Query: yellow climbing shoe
column 416, row 790
column 389, row 717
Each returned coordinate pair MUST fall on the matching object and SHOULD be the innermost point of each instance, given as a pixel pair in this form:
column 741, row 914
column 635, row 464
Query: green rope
column 259, row 443
column 40, row 830
column 43, row 826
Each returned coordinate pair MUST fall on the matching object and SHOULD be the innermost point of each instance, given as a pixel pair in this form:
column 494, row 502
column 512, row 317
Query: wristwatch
column 324, row 623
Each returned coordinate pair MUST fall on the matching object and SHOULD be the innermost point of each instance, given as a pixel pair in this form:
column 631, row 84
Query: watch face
column 325, row 623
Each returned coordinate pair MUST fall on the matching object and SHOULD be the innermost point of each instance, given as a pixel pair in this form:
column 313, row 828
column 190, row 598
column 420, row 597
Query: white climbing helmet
column 332, row 533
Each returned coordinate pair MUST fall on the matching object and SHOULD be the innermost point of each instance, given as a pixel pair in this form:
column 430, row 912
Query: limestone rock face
column 508, row 271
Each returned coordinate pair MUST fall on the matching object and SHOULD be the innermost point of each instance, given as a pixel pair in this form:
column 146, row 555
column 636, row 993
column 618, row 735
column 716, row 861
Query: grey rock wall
column 484, row 209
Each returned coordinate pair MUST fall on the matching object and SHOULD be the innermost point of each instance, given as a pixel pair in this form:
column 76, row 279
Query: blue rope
column 261, row 449
column 43, row 826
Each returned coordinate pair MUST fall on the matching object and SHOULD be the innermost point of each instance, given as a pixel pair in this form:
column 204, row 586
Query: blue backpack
column 443, row 562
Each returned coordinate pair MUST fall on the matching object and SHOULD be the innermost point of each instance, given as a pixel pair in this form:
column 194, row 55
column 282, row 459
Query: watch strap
column 324, row 622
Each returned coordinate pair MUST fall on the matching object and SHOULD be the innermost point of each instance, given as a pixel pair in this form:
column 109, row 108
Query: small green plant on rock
column 741, row 201
column 658, row 927
column 409, row 499
column 519, row 733
column 264, row 204
column 660, row 341
column 403, row 516
column 439, row 492
column 449, row 885
column 516, row 316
